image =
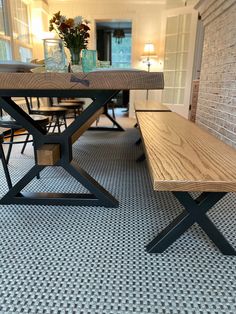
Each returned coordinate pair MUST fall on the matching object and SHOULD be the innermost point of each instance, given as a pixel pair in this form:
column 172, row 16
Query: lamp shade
column 149, row 49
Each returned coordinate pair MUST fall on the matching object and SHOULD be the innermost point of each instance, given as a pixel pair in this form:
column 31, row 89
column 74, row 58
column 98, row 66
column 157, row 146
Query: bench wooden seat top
column 185, row 157
column 150, row 106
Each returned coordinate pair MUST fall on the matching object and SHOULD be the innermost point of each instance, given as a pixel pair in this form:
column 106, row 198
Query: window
column 5, row 52
column 15, row 40
column 121, row 53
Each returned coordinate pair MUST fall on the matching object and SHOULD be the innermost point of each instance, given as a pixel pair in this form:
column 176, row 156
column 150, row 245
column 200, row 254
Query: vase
column 89, row 60
column 75, row 55
column 54, row 55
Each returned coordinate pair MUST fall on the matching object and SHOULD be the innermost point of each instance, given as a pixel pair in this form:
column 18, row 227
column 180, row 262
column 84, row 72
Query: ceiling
column 168, row 2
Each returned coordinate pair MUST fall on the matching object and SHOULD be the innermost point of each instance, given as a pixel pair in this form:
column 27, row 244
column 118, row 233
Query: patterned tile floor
column 85, row 260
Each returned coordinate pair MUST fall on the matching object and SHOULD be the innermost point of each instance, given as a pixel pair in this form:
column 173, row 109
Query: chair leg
column 5, row 168
column 58, row 124
column 113, row 112
column 10, row 146
column 64, row 118
column 49, row 125
column 55, row 124
column 25, row 143
column 36, row 160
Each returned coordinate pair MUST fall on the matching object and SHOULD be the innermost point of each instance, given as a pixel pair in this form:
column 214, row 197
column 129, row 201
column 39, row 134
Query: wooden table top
column 99, row 80
column 150, row 106
column 184, row 157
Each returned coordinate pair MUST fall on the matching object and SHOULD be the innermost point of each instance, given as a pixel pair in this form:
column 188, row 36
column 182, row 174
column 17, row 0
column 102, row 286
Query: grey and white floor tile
column 92, row 260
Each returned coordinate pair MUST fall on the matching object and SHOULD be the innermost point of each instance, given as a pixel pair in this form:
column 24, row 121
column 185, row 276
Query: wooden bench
column 184, row 158
column 148, row 106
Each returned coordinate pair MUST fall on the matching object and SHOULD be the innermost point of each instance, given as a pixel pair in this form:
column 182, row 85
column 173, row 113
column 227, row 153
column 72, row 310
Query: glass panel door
column 181, row 25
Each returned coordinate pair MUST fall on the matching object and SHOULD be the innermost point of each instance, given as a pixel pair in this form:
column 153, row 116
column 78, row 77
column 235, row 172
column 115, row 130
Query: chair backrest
column 29, row 103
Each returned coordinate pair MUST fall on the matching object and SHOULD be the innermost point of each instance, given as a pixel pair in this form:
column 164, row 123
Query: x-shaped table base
column 97, row 195
column 195, row 212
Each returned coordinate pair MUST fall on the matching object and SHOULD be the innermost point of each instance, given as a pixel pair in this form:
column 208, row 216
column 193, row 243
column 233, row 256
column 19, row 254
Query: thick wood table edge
column 109, row 80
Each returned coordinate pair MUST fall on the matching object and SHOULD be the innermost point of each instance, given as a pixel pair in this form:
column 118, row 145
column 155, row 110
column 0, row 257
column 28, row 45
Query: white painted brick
column 216, row 109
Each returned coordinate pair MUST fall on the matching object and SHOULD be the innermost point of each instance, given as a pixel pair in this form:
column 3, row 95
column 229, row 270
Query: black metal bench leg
column 141, row 158
column 139, row 141
column 195, row 211
column 198, row 208
column 172, row 232
column 216, row 236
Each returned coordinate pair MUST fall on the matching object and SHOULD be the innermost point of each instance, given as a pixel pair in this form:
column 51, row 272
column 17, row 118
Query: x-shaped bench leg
column 195, row 211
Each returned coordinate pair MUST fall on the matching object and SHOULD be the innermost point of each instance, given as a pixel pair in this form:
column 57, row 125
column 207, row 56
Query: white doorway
column 180, row 41
column 114, row 42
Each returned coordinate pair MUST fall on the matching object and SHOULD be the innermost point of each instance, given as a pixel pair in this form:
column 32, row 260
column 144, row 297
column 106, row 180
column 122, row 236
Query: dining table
column 55, row 149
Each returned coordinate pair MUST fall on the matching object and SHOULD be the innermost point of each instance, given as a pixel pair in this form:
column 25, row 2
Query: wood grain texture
column 150, row 106
column 109, row 80
column 86, row 125
column 48, row 154
column 183, row 157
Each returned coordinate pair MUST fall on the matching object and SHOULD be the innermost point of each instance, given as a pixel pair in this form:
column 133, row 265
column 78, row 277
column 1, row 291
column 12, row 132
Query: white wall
column 147, row 26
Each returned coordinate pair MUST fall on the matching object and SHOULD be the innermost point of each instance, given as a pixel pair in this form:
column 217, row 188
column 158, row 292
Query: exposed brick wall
column 216, row 109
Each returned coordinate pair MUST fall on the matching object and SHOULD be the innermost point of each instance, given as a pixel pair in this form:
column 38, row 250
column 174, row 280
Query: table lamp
column 148, row 53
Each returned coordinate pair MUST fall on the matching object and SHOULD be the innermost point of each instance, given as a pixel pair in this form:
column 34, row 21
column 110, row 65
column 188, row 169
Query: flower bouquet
column 74, row 33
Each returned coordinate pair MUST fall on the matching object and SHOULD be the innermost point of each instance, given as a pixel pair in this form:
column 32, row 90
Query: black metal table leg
column 195, row 211
column 115, row 123
column 97, row 195
column 118, row 126
column 5, row 168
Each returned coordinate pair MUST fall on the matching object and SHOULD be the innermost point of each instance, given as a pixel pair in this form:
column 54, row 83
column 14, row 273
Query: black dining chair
column 72, row 104
column 13, row 130
column 57, row 114
column 4, row 164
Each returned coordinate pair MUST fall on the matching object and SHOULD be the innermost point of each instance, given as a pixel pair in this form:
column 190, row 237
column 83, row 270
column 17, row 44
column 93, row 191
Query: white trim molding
column 211, row 9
